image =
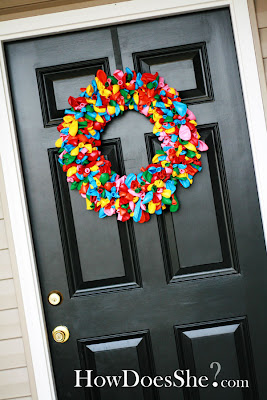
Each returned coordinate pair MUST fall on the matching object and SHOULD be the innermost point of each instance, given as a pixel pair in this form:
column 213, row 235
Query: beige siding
column 261, row 10
column 10, row 324
column 10, row 9
column 14, row 374
column 14, row 383
column 7, row 294
column 261, row 13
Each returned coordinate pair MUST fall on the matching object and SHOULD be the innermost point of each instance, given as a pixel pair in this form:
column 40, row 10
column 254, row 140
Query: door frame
column 99, row 16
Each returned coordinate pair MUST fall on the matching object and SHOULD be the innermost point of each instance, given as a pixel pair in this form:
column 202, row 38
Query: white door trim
column 92, row 17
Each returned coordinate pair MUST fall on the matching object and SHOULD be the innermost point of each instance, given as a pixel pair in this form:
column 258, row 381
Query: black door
column 184, row 289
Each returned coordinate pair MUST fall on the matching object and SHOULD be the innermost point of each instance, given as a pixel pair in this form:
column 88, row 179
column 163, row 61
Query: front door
column 182, row 290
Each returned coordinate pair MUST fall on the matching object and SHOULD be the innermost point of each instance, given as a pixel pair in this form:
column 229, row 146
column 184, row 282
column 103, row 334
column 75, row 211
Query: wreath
column 154, row 188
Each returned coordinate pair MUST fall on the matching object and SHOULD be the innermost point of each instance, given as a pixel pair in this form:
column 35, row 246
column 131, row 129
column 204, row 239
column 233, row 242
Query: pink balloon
column 191, row 115
column 202, row 146
column 145, row 111
column 109, row 211
column 161, row 82
column 118, row 74
column 185, row 133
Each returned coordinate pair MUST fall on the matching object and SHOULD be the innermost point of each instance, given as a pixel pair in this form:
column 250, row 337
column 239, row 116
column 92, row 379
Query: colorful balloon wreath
column 154, row 187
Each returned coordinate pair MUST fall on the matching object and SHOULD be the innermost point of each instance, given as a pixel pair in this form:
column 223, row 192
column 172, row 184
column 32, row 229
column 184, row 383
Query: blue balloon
column 139, row 177
column 185, row 183
column 160, row 104
column 102, row 213
column 117, row 110
column 166, row 148
column 79, row 115
column 91, row 114
column 148, row 197
column 128, row 71
column 80, row 176
column 98, row 101
column 181, row 108
column 137, row 211
column 170, row 186
column 112, row 179
column 129, row 179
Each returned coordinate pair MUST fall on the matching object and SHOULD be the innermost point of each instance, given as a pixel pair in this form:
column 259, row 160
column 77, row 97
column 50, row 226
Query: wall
column 261, row 13
column 258, row 14
column 16, row 375
column 15, row 362
column 11, row 9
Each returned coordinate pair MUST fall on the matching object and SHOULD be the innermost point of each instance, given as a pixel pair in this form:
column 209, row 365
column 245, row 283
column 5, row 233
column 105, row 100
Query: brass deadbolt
column 55, row 298
column 61, row 334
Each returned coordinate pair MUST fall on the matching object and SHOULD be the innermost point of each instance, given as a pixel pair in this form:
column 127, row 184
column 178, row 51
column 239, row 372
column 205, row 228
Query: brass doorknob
column 55, row 298
column 61, row 334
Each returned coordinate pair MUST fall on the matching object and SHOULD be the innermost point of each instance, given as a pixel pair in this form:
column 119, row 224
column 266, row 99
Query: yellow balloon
column 73, row 128
column 180, row 148
column 59, row 142
column 111, row 110
column 151, row 207
column 117, row 204
column 89, row 90
column 166, row 193
column 71, row 171
column 68, row 118
column 97, row 181
column 98, row 118
column 190, row 146
column 99, row 109
column 104, row 202
column 88, row 204
column 155, row 159
column 115, row 89
column 136, row 98
column 88, row 147
column 159, row 183
column 75, row 151
column 171, row 130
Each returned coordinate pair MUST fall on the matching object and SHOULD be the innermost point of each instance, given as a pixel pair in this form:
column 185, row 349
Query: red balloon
column 97, row 126
column 102, row 76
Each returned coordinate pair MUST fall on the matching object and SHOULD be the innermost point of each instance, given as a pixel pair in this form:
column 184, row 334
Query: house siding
column 261, row 14
column 16, row 377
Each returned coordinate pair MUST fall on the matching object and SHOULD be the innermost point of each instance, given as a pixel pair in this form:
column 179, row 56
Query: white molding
column 102, row 15
column 92, row 17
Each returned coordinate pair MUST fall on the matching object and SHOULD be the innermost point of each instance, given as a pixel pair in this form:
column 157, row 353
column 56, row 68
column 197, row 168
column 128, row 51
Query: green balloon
column 166, row 201
column 104, row 178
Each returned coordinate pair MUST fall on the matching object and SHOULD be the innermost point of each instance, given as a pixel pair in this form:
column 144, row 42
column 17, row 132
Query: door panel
column 211, row 228
column 123, row 271
column 184, row 67
column 184, row 289
column 196, row 342
column 116, row 353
